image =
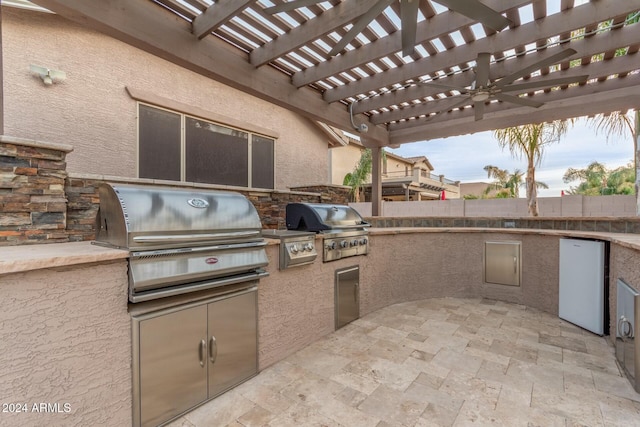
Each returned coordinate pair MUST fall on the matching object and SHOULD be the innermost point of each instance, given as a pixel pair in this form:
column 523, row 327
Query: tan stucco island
column 66, row 324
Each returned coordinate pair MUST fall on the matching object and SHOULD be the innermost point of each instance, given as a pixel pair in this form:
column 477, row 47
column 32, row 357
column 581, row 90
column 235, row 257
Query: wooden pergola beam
column 155, row 30
column 216, row 15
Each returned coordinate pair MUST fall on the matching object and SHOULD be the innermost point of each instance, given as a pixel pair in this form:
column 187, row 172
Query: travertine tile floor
column 437, row 362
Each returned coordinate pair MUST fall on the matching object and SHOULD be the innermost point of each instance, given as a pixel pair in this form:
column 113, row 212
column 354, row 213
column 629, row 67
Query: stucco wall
column 407, row 267
column 343, row 161
column 92, row 111
column 296, row 305
column 66, row 339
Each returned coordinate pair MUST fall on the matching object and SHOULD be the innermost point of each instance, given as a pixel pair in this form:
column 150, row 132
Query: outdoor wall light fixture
column 47, row 75
column 362, row 127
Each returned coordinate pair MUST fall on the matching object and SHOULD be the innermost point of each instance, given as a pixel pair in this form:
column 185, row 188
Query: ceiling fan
column 482, row 89
column 472, row 9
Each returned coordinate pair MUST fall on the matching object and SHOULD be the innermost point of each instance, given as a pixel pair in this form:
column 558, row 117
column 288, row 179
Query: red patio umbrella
column 443, row 195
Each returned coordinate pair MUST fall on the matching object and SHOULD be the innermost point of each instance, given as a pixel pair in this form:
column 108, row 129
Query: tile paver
column 437, row 362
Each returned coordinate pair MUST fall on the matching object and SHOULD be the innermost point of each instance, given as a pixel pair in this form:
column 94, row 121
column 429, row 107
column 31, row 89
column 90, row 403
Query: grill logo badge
column 212, row 260
column 198, row 203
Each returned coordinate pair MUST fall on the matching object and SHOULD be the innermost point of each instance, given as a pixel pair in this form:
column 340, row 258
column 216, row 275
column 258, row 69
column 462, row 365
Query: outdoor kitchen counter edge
column 631, row 241
column 19, row 259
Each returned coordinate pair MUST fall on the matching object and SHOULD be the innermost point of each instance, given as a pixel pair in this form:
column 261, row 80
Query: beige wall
column 343, row 160
column 567, row 206
column 92, row 111
column 66, row 338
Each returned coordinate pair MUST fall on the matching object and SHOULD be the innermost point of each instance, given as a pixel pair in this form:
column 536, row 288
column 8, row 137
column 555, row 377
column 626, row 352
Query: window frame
column 183, row 145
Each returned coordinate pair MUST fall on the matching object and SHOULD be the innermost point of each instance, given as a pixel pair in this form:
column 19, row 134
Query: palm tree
column 529, row 141
column 597, row 180
column 623, row 124
column 507, row 183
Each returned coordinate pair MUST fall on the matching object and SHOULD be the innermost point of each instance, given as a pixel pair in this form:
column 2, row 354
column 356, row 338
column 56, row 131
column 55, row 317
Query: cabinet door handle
column 202, row 351
column 515, row 265
column 213, row 349
column 622, row 331
column 355, row 292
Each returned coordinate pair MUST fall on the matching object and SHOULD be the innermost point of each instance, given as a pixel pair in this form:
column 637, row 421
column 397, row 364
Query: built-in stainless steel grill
column 181, row 240
column 343, row 229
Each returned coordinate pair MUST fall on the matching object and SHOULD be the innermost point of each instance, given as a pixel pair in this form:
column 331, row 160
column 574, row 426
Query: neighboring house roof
column 418, row 159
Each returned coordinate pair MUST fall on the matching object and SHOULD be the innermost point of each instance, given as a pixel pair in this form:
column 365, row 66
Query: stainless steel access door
column 172, row 364
column 232, row 341
column 502, row 263
column 628, row 324
column 347, row 296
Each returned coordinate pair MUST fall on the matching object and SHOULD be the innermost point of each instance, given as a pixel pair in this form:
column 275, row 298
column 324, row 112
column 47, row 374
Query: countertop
column 631, row 241
column 16, row 259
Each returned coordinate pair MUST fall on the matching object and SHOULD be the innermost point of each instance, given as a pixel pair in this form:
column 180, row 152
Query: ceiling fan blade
column 478, row 110
column 553, row 59
column 521, row 87
column 477, row 11
column 409, row 22
column 518, row 100
column 482, row 69
column 360, row 25
column 289, row 6
column 436, row 84
column 458, row 104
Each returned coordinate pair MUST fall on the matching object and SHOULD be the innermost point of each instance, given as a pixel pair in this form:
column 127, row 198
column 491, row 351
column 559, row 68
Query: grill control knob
column 363, row 241
column 331, row 245
column 294, row 248
column 307, row 247
column 354, row 242
column 344, row 244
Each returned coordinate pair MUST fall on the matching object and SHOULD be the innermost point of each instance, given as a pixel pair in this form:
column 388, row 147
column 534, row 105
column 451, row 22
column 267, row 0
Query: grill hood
column 138, row 217
column 321, row 217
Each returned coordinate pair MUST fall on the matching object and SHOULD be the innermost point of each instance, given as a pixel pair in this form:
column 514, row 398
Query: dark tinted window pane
column 262, row 159
column 159, row 144
column 215, row 154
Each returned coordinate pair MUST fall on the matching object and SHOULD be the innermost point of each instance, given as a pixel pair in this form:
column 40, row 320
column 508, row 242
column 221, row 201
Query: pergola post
column 1, row 81
column 636, row 150
column 376, row 181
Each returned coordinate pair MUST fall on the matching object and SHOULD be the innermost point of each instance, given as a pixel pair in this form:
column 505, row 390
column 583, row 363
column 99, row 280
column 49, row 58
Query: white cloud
column 463, row 158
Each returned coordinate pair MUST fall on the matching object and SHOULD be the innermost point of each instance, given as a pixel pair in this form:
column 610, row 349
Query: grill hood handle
column 188, row 238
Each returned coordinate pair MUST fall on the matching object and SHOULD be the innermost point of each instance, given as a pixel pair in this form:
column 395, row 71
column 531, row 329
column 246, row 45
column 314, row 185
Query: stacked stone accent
column 82, row 208
column 33, row 205
column 84, row 201
column 338, row 194
column 271, row 206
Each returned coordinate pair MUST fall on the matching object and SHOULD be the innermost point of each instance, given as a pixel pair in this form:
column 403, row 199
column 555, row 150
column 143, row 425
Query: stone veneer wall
column 82, row 192
column 329, row 193
column 32, row 194
column 40, row 203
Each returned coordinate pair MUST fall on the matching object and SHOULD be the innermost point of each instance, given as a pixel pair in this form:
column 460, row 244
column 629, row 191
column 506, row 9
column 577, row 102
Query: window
column 179, row 147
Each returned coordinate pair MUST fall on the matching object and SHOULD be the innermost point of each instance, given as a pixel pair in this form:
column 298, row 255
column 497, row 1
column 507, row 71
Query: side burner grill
column 343, row 229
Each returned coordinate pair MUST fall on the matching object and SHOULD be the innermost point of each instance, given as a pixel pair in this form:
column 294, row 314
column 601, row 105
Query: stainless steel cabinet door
column 502, row 263
column 172, row 364
column 232, row 341
column 347, row 298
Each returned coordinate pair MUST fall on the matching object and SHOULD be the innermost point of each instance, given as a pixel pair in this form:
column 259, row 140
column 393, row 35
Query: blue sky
column 463, row 158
